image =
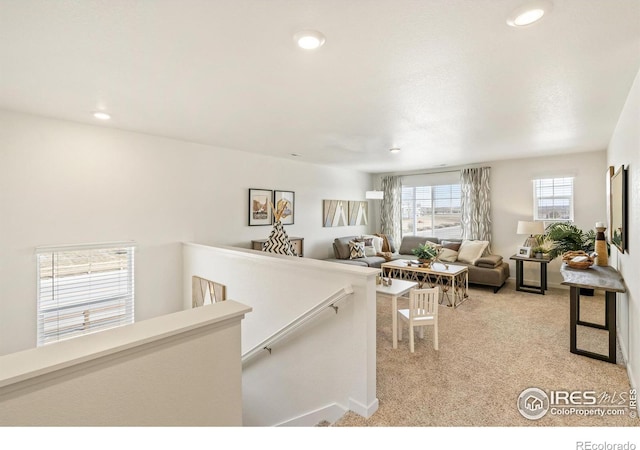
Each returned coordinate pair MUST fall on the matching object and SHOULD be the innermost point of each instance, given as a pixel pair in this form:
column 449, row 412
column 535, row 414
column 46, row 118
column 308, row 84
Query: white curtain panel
column 476, row 204
column 391, row 208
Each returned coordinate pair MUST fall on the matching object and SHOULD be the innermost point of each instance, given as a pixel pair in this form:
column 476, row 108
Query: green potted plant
column 537, row 252
column 425, row 252
column 567, row 237
column 543, row 247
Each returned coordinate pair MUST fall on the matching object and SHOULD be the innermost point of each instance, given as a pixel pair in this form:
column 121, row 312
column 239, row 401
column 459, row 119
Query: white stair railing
column 299, row 321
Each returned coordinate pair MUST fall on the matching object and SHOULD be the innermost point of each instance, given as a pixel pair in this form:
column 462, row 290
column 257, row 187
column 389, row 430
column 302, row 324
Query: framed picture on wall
column 618, row 209
column 285, row 201
column 260, row 207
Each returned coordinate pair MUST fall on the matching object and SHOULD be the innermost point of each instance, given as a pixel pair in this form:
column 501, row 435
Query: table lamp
column 530, row 228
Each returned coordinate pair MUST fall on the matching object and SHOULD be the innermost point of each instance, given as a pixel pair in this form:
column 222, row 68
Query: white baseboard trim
column 632, row 381
column 623, row 347
column 362, row 410
column 330, row 413
column 625, row 355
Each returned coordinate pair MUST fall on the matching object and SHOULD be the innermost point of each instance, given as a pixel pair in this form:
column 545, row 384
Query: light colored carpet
column 492, row 347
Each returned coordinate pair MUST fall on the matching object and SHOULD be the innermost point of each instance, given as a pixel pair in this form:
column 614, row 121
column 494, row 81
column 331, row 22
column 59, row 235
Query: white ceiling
column 446, row 80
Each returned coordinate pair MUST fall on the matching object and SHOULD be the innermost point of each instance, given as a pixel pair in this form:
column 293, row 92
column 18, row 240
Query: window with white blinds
column 553, row 199
column 431, row 211
column 84, row 289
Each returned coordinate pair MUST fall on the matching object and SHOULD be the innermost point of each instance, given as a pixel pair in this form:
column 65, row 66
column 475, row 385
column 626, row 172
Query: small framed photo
column 260, row 207
column 524, row 252
column 285, row 201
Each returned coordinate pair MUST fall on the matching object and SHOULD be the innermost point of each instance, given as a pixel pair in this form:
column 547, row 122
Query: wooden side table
column 520, row 286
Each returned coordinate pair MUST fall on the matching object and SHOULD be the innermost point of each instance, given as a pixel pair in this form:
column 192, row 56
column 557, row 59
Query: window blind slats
column 84, row 290
column 553, row 199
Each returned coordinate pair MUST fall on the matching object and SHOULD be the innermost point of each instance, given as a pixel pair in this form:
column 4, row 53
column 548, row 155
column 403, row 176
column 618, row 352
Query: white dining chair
column 423, row 311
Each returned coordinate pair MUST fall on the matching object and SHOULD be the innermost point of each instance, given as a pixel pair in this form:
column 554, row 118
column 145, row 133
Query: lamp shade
column 530, row 228
column 374, row 195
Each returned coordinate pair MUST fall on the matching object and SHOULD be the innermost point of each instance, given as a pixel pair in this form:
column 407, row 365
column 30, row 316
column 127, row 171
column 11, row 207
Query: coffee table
column 452, row 279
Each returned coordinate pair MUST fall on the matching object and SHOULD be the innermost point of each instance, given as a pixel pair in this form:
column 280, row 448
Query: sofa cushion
column 492, row 277
column 356, row 249
column 341, row 246
column 353, row 262
column 447, row 255
column 410, row 242
column 489, row 261
column 453, row 245
column 470, row 251
column 373, row 261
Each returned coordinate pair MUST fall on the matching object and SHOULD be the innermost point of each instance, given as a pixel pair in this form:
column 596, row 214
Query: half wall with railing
column 309, row 345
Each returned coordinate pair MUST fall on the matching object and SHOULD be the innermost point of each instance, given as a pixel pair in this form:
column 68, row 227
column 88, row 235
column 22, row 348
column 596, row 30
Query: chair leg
column 421, row 332
column 411, row 333
column 435, row 336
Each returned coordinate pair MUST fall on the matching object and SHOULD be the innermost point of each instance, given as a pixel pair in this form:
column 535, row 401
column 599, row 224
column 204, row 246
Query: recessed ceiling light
column 101, row 115
column 529, row 13
column 394, row 150
column 309, row 39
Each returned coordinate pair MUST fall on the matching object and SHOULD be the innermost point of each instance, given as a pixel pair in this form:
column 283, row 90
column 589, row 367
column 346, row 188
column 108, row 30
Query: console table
column 520, row 286
column 596, row 277
column 296, row 242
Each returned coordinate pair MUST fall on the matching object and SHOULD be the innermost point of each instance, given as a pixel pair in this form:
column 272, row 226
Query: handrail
column 309, row 314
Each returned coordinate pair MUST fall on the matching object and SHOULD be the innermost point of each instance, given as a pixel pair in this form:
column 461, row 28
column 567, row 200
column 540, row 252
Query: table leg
column 574, row 314
column 519, row 274
column 394, row 320
column 610, row 315
column 543, row 277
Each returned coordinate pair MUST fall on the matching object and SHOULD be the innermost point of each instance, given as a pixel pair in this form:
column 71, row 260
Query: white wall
column 63, row 182
column 322, row 369
column 512, row 199
column 624, row 149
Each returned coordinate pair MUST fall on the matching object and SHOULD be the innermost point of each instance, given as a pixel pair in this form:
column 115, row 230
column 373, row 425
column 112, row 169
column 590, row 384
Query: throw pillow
column 470, row 251
column 433, row 245
column 448, row 255
column 453, row 245
column 377, row 243
column 392, row 245
column 356, row 250
column 369, row 250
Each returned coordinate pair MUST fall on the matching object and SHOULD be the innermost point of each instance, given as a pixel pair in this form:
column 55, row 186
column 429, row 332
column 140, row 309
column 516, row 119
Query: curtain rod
column 434, row 173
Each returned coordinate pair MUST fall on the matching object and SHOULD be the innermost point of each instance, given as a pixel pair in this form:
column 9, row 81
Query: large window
column 431, row 211
column 84, row 289
column 553, row 199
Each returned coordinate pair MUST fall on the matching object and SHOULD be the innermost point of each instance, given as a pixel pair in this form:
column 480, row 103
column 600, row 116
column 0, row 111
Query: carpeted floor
column 492, row 347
